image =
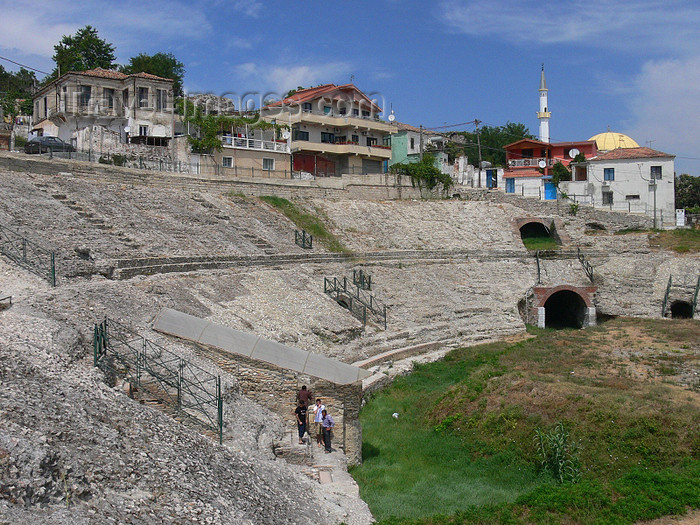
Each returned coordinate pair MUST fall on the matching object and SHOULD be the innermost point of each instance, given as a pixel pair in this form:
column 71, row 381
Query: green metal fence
column 361, row 304
column 361, row 279
column 28, row 254
column 193, row 392
column 303, row 239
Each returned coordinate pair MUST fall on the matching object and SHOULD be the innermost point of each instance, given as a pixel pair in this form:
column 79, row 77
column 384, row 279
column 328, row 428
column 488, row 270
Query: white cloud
column 131, row 26
column 283, row 78
column 597, row 23
column 248, row 7
column 666, row 106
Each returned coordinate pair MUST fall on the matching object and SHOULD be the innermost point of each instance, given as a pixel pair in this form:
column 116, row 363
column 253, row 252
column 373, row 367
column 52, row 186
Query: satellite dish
column 573, row 152
column 392, row 117
column 127, row 129
column 542, row 164
column 285, row 135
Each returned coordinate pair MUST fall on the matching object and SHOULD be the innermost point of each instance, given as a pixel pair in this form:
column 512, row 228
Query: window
column 143, row 97
column 64, row 98
column 143, row 131
column 342, row 111
column 306, row 106
column 527, row 153
column 125, row 98
column 371, row 141
column 413, row 143
column 161, row 100
column 355, row 112
column 227, row 162
column 46, row 107
column 387, row 141
column 355, row 139
column 300, row 135
column 268, row 164
column 609, row 174
column 109, row 98
column 656, row 172
column 327, row 137
column 632, row 197
column 365, row 113
column 85, row 94
column 608, row 197
column 326, row 110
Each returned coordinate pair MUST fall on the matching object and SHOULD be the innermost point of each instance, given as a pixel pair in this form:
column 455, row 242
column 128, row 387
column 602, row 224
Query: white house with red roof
column 137, row 108
column 335, row 130
column 637, row 180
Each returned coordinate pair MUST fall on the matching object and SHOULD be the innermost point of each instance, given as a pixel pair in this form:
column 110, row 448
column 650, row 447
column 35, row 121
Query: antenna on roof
column 352, row 78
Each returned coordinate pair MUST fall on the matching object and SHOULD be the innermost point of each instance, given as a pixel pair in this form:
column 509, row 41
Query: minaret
column 543, row 114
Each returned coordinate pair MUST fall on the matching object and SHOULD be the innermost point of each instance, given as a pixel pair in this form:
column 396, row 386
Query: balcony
column 255, row 144
column 341, row 121
column 529, row 163
column 346, row 148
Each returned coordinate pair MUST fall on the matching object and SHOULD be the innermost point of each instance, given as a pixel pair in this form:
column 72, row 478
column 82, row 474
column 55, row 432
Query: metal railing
column 256, row 144
column 668, row 291
column 193, row 392
column 28, row 254
column 362, row 279
column 361, row 304
column 529, row 162
column 587, row 267
column 303, row 239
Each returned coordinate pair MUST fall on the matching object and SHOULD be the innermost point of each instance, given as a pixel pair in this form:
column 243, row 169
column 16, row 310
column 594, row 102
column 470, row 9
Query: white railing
column 263, row 145
column 529, row 162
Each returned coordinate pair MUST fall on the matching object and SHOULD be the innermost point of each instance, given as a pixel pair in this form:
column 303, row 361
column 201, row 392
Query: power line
column 25, row 66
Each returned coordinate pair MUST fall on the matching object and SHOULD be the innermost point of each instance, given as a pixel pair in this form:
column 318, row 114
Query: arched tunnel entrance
column 565, row 309
column 681, row 310
column 534, row 230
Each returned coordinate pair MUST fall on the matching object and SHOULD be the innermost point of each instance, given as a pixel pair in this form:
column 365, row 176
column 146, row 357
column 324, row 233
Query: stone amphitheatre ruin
column 131, row 245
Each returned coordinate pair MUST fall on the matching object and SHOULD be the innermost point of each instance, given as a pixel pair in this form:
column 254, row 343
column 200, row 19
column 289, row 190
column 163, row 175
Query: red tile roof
column 309, row 94
column 517, row 174
column 526, row 141
column 631, row 153
column 116, row 75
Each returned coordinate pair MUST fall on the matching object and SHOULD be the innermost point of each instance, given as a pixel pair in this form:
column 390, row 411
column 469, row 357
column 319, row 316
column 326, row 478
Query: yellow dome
column 609, row 140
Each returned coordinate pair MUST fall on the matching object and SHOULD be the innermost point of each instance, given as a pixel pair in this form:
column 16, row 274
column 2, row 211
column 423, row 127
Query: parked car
column 46, row 144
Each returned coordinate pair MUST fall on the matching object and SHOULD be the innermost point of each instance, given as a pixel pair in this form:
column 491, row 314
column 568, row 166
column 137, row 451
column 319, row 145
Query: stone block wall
column 276, row 389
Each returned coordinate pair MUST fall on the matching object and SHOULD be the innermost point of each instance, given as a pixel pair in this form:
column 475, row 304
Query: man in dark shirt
column 305, row 396
column 328, row 425
column 300, row 413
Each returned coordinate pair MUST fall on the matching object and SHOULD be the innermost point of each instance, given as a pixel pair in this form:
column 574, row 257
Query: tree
column 423, row 173
column 210, row 126
column 560, row 172
column 82, row 51
column 16, row 92
column 161, row 64
column 687, row 191
column 492, row 138
column 293, row 91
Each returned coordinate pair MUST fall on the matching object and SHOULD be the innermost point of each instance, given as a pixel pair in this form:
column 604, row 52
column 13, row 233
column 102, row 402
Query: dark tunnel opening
column 564, row 309
column 681, row 310
column 533, row 230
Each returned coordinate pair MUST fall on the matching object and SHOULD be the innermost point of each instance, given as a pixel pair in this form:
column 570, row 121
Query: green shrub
column 558, row 454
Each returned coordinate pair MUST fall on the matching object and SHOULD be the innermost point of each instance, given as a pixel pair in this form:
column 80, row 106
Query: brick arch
column 547, row 223
column 584, row 292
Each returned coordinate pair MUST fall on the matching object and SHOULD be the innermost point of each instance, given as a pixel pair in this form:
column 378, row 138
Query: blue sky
column 633, row 66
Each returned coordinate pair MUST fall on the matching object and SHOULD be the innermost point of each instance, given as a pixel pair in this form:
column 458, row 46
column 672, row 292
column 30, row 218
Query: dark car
column 46, row 144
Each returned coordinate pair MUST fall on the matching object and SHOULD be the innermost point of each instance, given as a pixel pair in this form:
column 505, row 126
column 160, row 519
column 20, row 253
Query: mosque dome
column 610, row 140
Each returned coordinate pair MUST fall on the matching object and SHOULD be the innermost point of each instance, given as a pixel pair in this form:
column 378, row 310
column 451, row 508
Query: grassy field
column 305, row 221
column 540, row 243
column 680, row 241
column 462, row 449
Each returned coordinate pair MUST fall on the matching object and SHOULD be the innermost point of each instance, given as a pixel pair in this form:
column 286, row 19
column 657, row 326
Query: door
column 510, row 185
column 550, row 191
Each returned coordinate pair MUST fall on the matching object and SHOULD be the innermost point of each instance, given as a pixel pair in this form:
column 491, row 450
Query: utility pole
column 654, row 181
column 478, row 143
column 421, row 142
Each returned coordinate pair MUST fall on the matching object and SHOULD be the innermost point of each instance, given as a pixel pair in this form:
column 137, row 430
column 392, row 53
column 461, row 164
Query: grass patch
column 540, row 243
column 462, row 448
column 679, row 240
column 305, row 221
column 627, row 231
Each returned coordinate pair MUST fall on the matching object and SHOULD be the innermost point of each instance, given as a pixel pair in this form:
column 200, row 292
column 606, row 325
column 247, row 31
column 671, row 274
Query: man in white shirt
column 318, row 418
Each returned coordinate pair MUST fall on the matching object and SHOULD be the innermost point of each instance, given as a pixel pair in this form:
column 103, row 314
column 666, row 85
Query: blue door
column 550, row 191
column 489, row 179
column 510, row 185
